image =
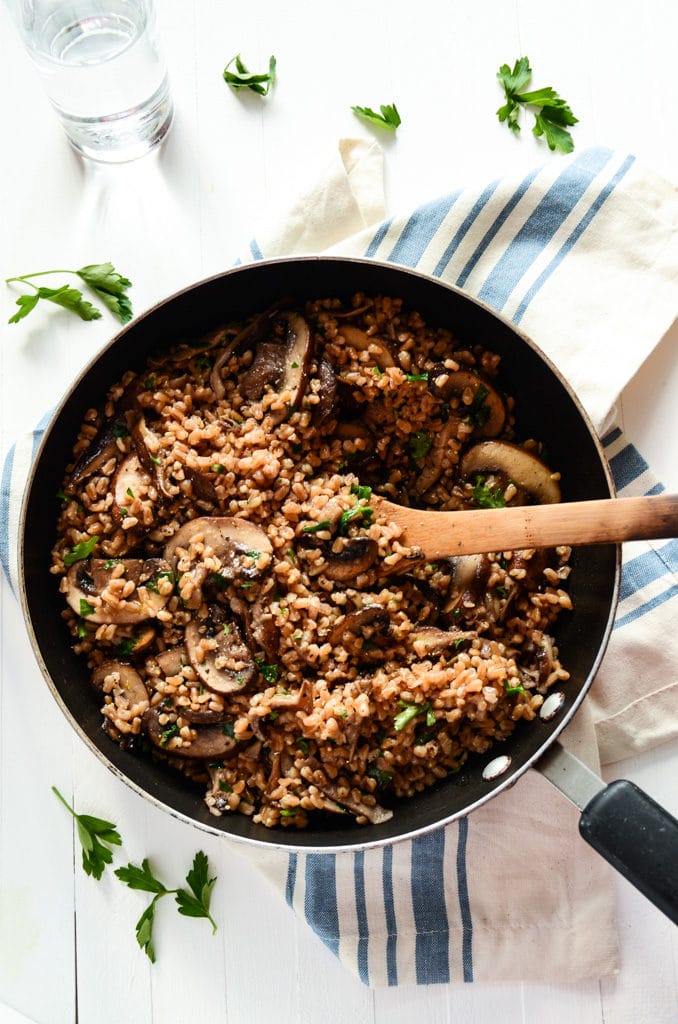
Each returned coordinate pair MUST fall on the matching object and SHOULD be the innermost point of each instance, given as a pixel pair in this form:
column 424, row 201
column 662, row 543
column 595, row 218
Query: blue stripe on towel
column 255, row 250
column 575, row 235
column 464, row 228
column 378, row 238
column 320, row 901
column 627, row 465
column 420, row 229
column 5, row 494
column 291, row 879
column 649, row 606
column 432, row 960
column 495, row 226
column 389, row 914
column 639, row 572
column 361, row 915
column 464, row 903
column 540, row 227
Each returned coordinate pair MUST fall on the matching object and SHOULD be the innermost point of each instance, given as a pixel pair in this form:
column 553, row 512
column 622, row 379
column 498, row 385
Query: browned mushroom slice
column 366, row 621
column 443, row 455
column 429, row 640
column 243, row 549
column 147, row 445
column 130, row 481
column 364, row 342
column 356, row 556
column 218, row 653
column 172, row 661
column 210, row 743
column 469, row 576
column 293, row 701
column 375, row 814
column 100, row 449
column 516, row 465
column 252, row 334
column 95, row 588
column 282, row 367
column 327, row 392
column 486, row 408
column 123, row 683
column 203, row 488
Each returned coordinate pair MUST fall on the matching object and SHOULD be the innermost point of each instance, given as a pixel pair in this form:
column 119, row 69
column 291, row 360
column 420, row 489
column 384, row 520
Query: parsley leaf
column 484, row 497
column 551, row 117
column 389, row 118
column 419, row 444
column 96, row 836
column 81, row 551
column 104, row 280
column 243, row 78
column 195, row 903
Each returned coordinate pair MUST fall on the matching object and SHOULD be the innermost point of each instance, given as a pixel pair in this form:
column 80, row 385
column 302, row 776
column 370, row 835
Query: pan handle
column 625, row 825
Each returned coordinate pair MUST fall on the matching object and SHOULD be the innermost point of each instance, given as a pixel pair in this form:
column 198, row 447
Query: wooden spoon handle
column 608, row 520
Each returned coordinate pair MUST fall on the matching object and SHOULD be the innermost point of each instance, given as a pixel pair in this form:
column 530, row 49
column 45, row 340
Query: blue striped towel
column 583, row 254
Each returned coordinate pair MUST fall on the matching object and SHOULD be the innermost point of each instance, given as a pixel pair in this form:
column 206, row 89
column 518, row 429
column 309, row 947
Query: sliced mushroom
column 517, row 465
column 130, row 481
column 469, row 576
column 94, row 589
column 147, row 445
column 429, row 640
column 283, row 367
column 202, row 487
column 172, row 661
column 210, row 744
column 372, row 618
column 327, row 392
column 123, row 683
column 293, row 701
column 443, row 454
column 486, row 408
column 355, row 557
column 376, row 814
column 226, row 664
column 249, row 336
column 100, row 449
column 364, row 342
column 242, row 548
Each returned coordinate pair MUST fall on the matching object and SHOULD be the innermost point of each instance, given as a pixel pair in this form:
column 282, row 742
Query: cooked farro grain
column 248, row 618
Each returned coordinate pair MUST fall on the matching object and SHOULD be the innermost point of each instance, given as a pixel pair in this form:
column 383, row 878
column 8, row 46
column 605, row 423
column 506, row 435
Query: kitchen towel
column 582, row 254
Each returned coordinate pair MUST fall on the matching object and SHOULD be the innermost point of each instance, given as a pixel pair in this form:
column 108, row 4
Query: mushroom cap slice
column 242, row 548
column 123, row 682
column 487, row 407
column 364, row 342
column 102, row 447
column 211, row 742
column 93, row 589
column 130, row 481
column 355, row 557
column 224, row 666
column 523, row 468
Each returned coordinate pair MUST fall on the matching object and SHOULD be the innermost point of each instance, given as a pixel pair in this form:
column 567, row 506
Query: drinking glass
column 101, row 66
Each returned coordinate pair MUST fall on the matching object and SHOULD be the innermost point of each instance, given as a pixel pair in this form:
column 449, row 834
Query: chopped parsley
column 519, row 688
column 167, row 735
column 362, row 491
column 381, row 777
column 81, row 551
column 411, row 378
column 410, row 712
column 419, row 444
column 269, row 672
column 228, row 729
column 486, row 497
column 324, row 524
column 363, row 512
column 86, row 608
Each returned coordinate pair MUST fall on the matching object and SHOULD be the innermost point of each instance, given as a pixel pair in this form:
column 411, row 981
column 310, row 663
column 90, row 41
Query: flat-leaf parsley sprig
column 389, row 118
column 193, row 903
column 552, row 112
column 103, row 279
column 96, row 837
column 243, row 78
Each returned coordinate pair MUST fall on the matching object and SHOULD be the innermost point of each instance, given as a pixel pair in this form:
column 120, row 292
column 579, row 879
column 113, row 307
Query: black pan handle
column 626, row 826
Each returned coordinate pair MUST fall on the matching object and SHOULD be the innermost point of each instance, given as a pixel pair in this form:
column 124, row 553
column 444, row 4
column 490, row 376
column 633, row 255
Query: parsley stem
column 39, row 273
column 66, row 805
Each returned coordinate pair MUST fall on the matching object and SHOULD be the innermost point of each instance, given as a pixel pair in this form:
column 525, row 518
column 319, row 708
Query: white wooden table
column 67, row 948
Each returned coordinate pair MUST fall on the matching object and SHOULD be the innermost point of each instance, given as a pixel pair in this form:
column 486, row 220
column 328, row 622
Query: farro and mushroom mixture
column 247, row 616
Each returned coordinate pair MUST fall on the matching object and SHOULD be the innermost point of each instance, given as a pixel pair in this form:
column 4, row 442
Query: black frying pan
column 628, row 828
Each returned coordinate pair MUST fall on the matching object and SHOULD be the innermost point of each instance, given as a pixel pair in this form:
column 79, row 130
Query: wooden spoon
column 476, row 531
